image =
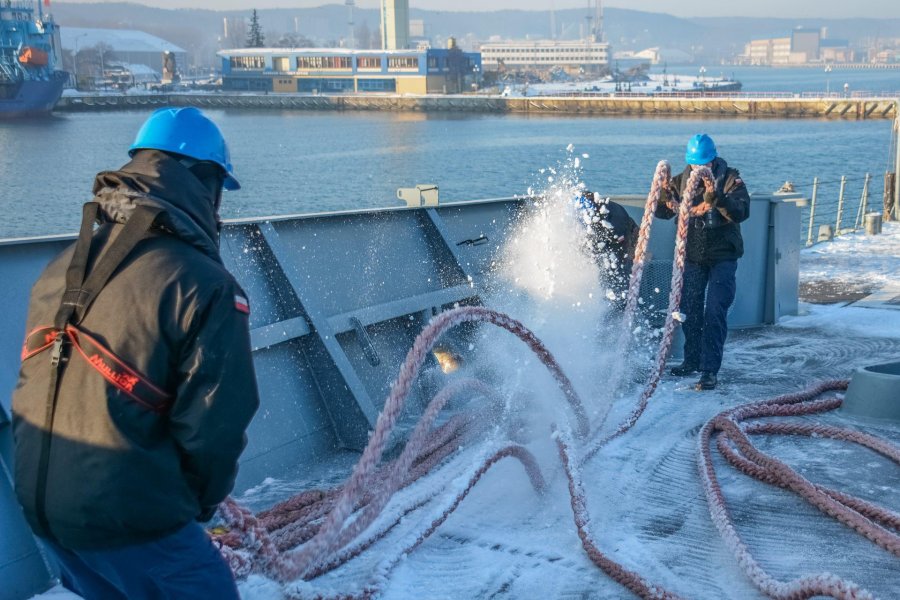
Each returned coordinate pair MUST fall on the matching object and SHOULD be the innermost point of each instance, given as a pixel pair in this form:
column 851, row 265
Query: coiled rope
column 868, row 519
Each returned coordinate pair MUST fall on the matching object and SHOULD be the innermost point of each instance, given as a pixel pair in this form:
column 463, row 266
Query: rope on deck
column 733, row 442
column 660, row 178
column 317, row 531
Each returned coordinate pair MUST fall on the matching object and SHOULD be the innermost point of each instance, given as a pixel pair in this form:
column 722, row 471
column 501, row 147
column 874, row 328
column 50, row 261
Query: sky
column 684, row 8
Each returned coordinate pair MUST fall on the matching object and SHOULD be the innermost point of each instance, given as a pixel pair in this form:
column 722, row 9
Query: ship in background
column 30, row 50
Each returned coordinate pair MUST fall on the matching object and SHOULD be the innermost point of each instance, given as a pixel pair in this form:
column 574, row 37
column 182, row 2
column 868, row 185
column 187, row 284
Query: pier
column 776, row 106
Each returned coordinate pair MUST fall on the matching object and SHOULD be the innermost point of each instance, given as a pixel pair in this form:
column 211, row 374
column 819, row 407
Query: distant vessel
column 30, row 83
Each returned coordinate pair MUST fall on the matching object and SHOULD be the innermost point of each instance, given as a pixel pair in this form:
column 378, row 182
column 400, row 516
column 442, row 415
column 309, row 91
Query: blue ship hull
column 32, row 98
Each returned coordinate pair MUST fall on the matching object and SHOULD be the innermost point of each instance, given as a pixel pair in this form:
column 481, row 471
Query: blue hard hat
column 700, row 150
column 585, row 201
column 186, row 131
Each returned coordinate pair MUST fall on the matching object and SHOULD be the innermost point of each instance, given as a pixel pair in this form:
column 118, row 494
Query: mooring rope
column 311, row 533
column 695, row 180
column 300, row 561
column 629, row 579
column 733, row 441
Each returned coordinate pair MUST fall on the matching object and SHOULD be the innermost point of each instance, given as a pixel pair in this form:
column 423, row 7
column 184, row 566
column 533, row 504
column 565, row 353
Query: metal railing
column 691, row 94
column 834, row 209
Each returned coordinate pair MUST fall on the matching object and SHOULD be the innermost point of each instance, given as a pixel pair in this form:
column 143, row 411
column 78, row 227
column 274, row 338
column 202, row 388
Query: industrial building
column 128, row 45
column 803, row 46
column 337, row 70
column 589, row 56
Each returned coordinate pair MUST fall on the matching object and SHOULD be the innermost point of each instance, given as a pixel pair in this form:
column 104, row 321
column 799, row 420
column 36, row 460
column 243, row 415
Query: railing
column 837, row 206
column 723, row 94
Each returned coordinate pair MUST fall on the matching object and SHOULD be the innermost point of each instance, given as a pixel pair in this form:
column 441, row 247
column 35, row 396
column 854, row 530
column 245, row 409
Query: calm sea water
column 807, row 79
column 298, row 162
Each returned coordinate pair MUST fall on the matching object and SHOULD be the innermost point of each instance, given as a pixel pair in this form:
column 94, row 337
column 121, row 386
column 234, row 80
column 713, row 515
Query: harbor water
column 301, row 162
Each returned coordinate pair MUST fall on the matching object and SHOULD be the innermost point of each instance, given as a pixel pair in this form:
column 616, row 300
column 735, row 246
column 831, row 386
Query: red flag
column 47, row 3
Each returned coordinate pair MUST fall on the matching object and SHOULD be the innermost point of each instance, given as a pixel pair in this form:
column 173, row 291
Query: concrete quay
column 645, row 106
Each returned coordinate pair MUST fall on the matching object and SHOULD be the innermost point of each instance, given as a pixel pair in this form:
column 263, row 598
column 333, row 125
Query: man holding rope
column 714, row 245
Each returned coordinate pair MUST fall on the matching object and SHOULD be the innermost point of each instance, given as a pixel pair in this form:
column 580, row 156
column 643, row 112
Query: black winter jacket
column 110, row 471
column 715, row 236
column 613, row 237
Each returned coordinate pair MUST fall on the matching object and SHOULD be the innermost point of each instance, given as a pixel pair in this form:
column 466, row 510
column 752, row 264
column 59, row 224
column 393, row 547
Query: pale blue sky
column 686, row 8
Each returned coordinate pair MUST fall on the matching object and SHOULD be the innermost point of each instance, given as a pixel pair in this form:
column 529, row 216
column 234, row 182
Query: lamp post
column 102, row 69
column 827, row 79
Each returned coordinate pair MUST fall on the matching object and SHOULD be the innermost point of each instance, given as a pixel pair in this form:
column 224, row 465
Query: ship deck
column 643, row 490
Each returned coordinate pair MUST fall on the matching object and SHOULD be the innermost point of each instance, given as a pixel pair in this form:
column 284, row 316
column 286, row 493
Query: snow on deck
column 643, row 490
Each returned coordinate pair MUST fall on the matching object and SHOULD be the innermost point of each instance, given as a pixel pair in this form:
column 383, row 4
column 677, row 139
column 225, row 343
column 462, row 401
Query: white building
column 545, row 54
column 394, row 24
column 128, row 45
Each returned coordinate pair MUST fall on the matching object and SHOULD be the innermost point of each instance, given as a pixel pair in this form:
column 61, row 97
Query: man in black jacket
column 714, row 245
column 137, row 383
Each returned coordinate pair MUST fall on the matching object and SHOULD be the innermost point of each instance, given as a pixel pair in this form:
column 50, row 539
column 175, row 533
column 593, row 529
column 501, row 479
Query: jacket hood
column 153, row 178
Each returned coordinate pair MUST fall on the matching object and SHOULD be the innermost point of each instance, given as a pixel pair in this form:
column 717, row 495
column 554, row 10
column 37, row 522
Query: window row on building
column 318, row 70
column 592, row 54
column 524, row 60
column 581, row 50
column 282, row 64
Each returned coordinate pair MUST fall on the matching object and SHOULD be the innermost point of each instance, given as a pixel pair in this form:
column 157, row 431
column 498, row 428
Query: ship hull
column 32, row 98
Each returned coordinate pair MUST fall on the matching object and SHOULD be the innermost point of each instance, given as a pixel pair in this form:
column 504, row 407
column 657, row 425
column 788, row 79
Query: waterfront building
column 571, row 55
column 804, row 46
column 339, row 70
column 836, row 51
column 129, row 46
column 769, row 51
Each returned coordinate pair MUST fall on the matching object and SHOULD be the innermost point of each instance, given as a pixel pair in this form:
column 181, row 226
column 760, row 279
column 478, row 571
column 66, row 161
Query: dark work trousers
column 706, row 326
column 183, row 565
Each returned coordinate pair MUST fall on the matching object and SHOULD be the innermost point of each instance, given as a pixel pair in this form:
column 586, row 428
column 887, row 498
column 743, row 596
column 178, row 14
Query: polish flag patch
column 241, row 304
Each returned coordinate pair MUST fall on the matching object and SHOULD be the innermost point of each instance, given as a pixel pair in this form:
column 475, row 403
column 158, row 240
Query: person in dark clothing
column 612, row 237
column 714, row 244
column 137, row 383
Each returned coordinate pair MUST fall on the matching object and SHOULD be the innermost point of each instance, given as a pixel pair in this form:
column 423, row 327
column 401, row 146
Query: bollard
column 873, row 223
column 826, row 233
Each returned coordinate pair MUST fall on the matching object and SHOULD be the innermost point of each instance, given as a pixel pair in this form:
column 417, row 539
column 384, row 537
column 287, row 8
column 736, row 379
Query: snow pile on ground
column 855, row 259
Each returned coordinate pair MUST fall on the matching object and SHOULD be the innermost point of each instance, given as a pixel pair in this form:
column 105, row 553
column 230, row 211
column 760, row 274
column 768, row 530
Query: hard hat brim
column 231, row 184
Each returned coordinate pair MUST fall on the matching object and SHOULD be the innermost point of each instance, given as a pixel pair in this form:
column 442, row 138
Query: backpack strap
column 80, row 291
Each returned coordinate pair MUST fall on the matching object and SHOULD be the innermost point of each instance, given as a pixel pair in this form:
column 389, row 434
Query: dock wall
column 722, row 106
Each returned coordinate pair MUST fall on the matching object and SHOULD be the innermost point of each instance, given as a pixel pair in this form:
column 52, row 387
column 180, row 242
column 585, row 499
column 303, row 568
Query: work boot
column 684, row 368
column 707, row 381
